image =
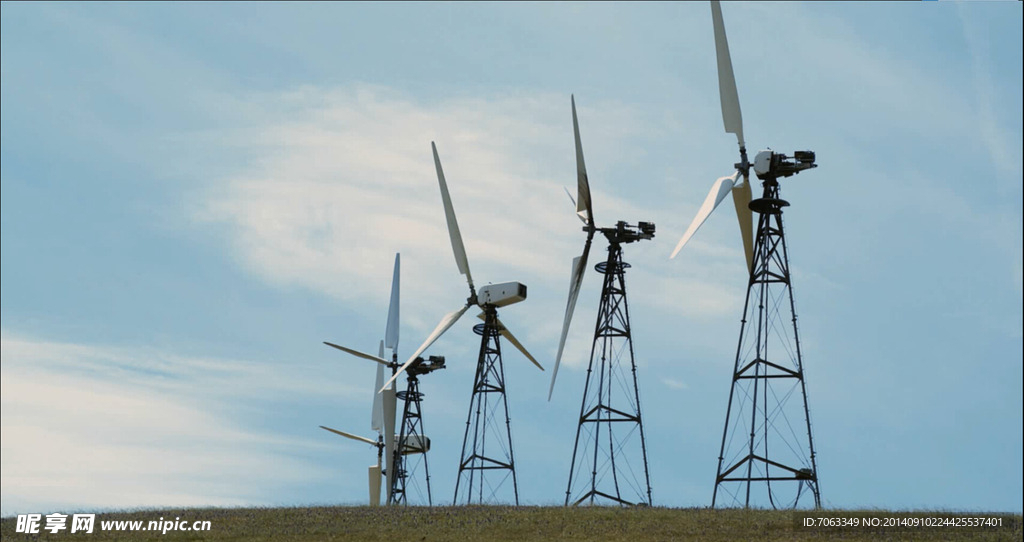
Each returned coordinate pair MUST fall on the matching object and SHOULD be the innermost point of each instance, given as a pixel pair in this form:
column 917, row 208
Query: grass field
column 486, row 523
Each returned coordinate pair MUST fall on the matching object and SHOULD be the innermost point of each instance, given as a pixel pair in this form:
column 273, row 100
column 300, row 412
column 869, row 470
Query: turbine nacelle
column 413, row 444
column 500, row 295
column 770, row 165
column 422, row 367
column 628, row 233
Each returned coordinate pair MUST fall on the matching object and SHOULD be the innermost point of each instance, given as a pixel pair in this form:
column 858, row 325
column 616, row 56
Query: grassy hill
column 493, row 523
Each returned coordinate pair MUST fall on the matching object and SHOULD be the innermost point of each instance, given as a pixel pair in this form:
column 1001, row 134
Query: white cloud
column 675, row 384
column 93, row 427
column 349, row 179
column 1001, row 143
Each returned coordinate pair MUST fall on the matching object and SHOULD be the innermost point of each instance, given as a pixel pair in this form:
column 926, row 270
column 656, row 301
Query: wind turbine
column 610, row 410
column 376, row 424
column 490, row 372
column 763, row 446
column 410, row 440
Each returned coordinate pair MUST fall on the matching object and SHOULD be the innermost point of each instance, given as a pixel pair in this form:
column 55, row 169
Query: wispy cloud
column 353, row 181
column 675, row 384
column 349, row 180
column 1001, row 142
column 95, row 427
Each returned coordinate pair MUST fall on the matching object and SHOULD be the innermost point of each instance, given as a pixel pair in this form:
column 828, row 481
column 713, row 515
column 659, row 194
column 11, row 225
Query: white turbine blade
column 584, row 206
column 391, row 335
column 377, row 417
column 718, row 192
column 390, row 402
column 453, row 225
column 349, row 435
column 572, row 199
column 504, row 331
column 583, row 219
column 741, row 199
column 358, row 353
column 374, row 476
column 731, row 116
column 579, row 266
column 445, row 323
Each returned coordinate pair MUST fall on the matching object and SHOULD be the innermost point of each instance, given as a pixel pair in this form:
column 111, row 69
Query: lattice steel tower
column 767, row 436
column 610, row 446
column 413, row 445
column 487, row 460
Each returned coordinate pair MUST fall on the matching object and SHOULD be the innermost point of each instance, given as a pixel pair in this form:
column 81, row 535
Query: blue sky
column 194, row 196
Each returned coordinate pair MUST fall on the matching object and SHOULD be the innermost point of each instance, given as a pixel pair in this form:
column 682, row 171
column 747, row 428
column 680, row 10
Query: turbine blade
column 453, row 225
column 731, row 116
column 579, row 266
column 515, row 342
column 377, row 416
column 741, row 199
column 445, row 323
column 573, row 200
column 584, row 206
column 391, row 335
column 390, row 403
column 350, row 435
column 718, row 192
column 374, row 476
column 358, row 353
